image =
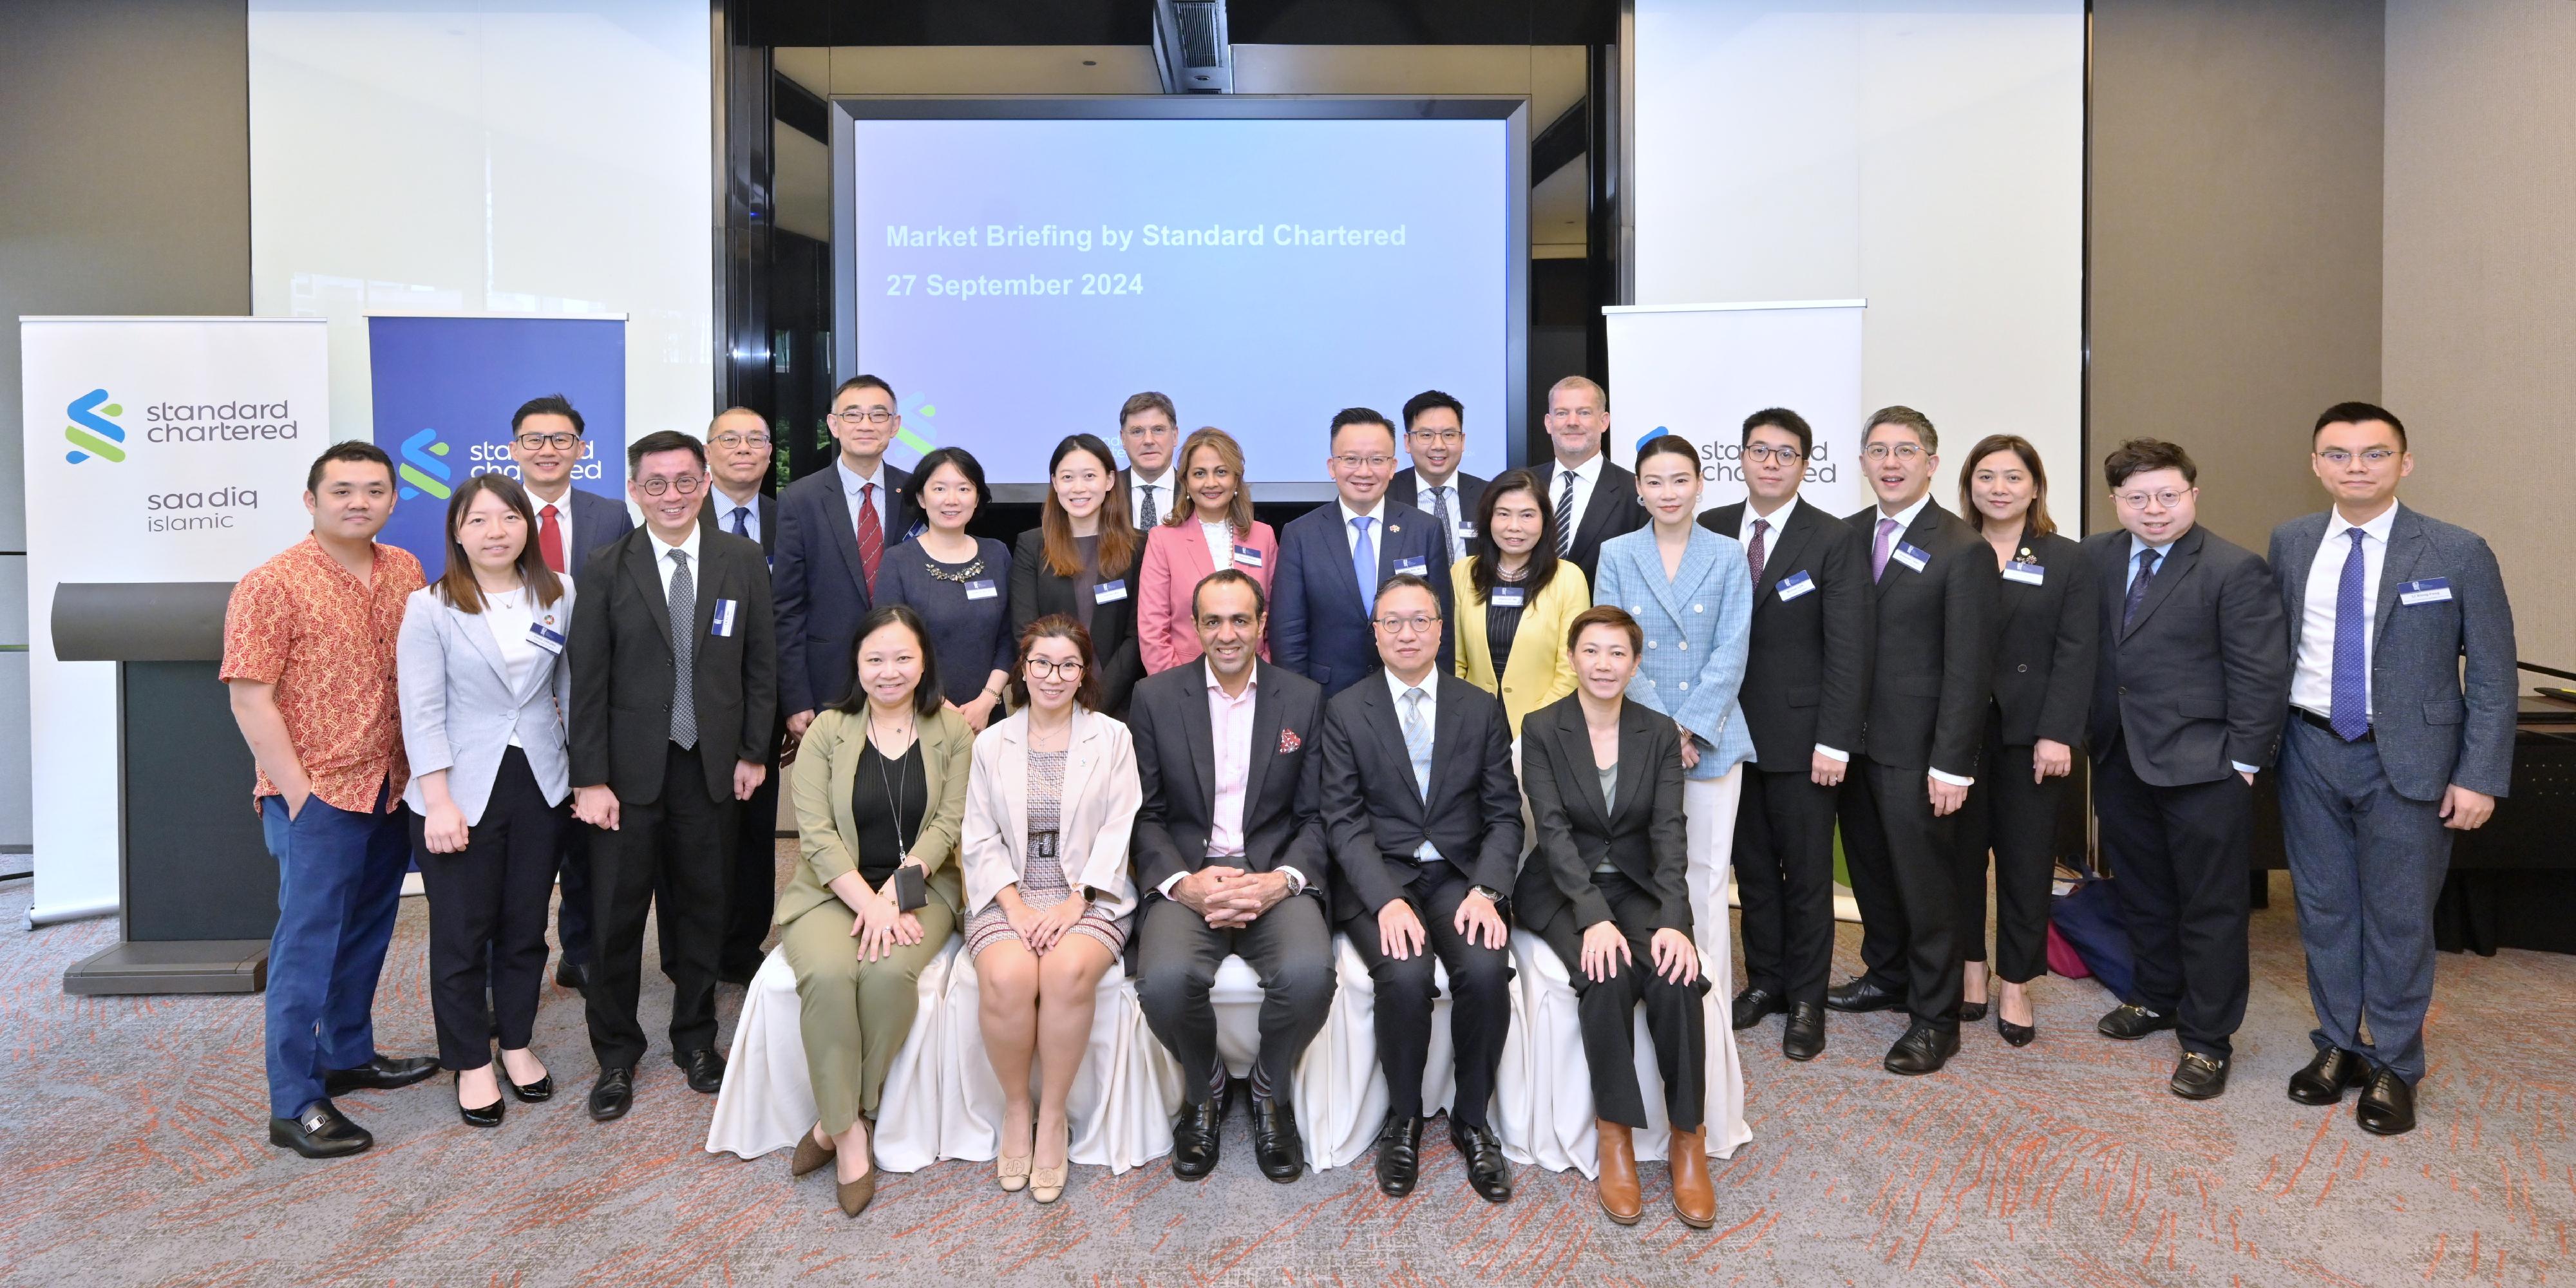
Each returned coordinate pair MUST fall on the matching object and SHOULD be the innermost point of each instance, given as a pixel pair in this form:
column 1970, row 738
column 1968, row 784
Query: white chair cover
column 1117, row 1103
column 768, row 1097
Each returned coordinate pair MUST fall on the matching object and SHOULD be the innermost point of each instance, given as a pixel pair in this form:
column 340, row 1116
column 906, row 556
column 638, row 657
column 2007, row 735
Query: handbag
column 2086, row 921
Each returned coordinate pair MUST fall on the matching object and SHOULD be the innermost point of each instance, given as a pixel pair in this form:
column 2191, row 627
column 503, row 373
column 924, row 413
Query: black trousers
column 572, row 911
column 1784, row 874
column 1480, row 1004
column 1606, row 1011
column 687, row 836
column 2016, row 819
column 2179, row 858
column 1901, row 861
column 1289, row 947
column 751, row 884
column 487, row 903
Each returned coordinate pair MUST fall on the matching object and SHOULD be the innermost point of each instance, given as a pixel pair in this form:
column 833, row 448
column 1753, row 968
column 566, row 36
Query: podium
column 196, row 886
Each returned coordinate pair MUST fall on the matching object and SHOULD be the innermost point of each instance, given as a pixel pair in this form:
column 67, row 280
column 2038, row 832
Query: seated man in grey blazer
column 2390, row 749
column 1230, row 857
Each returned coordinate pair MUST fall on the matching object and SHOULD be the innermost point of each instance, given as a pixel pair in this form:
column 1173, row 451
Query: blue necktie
column 2138, row 587
column 2352, row 642
column 742, row 521
column 1364, row 563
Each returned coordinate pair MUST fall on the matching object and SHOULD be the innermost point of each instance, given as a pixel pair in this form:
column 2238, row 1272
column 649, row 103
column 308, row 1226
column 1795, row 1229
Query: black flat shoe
column 1196, row 1132
column 1803, row 1037
column 318, row 1131
column 2387, row 1105
column 705, row 1067
column 1861, row 995
column 1488, row 1172
column 531, row 1093
column 2017, row 1034
column 1276, row 1146
column 2129, row 1022
column 2324, row 1080
column 1923, row 1049
column 485, row 1115
column 1972, row 1012
column 613, row 1094
column 2198, row 1077
column 1399, row 1156
column 1754, row 1003
column 384, row 1073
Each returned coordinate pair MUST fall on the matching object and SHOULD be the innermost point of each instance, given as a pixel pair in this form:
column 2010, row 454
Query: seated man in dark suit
column 1230, row 854
column 1423, row 815
column 1333, row 558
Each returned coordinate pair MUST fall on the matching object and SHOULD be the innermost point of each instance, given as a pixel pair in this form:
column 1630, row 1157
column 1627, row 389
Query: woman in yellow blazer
column 879, row 784
column 1514, row 589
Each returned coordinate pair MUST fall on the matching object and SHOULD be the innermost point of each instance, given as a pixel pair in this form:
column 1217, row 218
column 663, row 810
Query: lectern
column 195, row 883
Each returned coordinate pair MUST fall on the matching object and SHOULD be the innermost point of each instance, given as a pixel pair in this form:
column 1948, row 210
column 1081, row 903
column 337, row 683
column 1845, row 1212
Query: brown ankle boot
column 1694, row 1198
column 1618, row 1183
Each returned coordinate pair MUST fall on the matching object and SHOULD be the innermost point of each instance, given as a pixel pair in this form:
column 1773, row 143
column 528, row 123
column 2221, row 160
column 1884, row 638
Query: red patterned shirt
column 326, row 640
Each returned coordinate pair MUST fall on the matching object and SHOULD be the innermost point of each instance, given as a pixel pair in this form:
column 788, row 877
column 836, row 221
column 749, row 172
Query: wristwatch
column 1491, row 895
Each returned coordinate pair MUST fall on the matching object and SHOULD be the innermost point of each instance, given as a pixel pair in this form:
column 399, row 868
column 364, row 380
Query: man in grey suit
column 1435, row 433
column 2187, row 708
column 2388, row 751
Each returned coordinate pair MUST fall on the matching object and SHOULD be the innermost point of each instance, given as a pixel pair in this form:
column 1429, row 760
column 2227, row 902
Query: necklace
column 894, row 799
column 961, row 576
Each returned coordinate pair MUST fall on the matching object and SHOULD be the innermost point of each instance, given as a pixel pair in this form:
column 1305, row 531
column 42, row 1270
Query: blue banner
column 444, row 391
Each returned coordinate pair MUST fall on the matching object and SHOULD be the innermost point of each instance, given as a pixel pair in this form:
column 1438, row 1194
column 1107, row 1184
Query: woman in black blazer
column 1609, row 890
column 2044, row 658
column 1081, row 561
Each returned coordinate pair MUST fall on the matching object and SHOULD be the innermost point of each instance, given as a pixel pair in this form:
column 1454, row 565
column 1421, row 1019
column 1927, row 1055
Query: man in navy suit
column 2388, row 752
column 1435, row 432
column 1333, row 558
column 834, row 527
column 546, row 442
column 739, row 455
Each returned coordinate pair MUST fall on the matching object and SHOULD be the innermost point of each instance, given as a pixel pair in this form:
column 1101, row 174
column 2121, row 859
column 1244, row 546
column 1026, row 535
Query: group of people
column 1155, row 731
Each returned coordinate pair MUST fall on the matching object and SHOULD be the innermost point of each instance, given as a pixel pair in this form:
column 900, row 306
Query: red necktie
column 871, row 535
column 550, row 539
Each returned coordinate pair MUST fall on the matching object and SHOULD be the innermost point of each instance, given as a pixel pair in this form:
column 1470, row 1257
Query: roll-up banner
column 157, row 449
column 444, row 391
column 1698, row 370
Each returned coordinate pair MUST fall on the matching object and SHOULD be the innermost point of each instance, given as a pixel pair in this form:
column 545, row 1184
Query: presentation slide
column 1018, row 279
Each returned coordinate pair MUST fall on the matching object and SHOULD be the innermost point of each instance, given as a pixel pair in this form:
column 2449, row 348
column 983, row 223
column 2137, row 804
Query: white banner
column 1698, row 370
column 157, row 449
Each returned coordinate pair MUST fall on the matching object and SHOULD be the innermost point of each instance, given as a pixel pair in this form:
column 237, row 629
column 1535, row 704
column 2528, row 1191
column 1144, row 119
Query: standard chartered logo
column 91, row 433
column 422, row 469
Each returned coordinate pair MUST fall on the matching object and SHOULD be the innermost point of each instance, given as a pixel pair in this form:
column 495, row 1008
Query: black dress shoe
column 384, row 1073
column 2198, row 1077
column 1488, row 1172
column 1276, row 1146
column 1399, row 1155
column 318, row 1131
column 613, row 1094
column 2324, row 1080
column 2017, row 1034
column 572, row 975
column 1972, row 1012
column 2129, row 1022
column 1803, row 1038
column 531, row 1093
column 1754, row 1003
column 1863, row 994
column 1195, row 1135
column 705, row 1067
column 2387, row 1105
column 484, row 1115
column 1923, row 1049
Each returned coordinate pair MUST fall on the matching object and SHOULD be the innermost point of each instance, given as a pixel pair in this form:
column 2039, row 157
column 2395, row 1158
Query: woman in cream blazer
column 1050, row 805
column 1516, row 540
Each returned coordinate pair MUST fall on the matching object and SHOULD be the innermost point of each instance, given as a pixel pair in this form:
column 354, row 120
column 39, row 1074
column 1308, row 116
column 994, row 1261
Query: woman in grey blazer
column 480, row 665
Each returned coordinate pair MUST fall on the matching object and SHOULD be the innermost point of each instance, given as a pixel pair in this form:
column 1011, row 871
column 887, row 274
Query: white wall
column 422, row 156
column 1927, row 157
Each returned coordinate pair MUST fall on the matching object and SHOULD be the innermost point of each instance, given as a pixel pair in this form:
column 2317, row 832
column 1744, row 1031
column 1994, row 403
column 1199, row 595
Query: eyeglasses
column 1408, row 625
column 1350, row 462
column 2165, row 500
column 863, row 416
column 1762, row 453
column 2338, row 458
column 1906, row 452
column 730, row 441
column 1442, row 437
column 1040, row 669
column 559, row 442
column 685, row 485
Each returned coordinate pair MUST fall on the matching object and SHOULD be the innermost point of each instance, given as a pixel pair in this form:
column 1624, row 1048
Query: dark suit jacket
column 822, row 594
column 1176, row 769
column 621, row 666
column 1932, row 669
column 2047, row 642
column 1036, row 592
column 597, row 521
column 1319, row 622
column 1807, row 667
column 1375, row 818
column 1407, row 490
column 2432, row 729
column 2200, row 678
column 1127, row 487
column 1644, row 833
column 764, row 512
column 1612, row 510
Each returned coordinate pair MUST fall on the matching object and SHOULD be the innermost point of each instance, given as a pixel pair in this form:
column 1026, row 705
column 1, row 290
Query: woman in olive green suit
column 879, row 783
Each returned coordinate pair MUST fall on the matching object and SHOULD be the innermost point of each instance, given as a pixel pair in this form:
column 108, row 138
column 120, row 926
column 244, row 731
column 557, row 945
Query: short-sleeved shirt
column 326, row 640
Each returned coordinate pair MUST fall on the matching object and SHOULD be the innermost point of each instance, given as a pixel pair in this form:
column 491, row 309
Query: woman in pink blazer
column 1210, row 527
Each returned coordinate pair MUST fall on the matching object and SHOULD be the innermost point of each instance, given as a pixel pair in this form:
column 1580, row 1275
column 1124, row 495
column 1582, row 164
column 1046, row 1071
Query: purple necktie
column 1753, row 553
column 1878, row 553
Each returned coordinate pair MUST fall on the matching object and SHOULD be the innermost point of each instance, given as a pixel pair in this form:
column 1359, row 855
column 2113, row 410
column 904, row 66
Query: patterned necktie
column 550, row 538
column 1145, row 516
column 1878, row 552
column 1565, row 515
column 742, row 521
column 1440, row 522
column 1753, row 553
column 1364, row 563
column 2138, row 587
column 1417, row 740
column 871, row 536
column 2351, row 649
column 684, row 641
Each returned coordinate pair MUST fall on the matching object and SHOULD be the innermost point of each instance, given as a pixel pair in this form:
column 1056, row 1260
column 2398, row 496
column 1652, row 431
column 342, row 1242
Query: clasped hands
column 1230, row 898
column 1040, row 929
column 1400, row 934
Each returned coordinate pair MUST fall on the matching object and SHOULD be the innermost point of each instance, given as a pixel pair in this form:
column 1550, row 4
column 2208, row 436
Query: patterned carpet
column 135, row 1153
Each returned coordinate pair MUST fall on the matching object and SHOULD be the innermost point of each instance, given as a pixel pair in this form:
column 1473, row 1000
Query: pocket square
column 1289, row 741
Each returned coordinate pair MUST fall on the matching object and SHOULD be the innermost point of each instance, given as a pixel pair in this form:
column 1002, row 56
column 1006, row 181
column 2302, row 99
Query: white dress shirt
column 1904, row 520
column 506, row 613
column 1164, row 487
column 1230, row 718
column 2312, row 681
column 1430, row 686
column 1587, row 476
column 726, row 505
column 1779, row 519
column 2137, row 546
column 662, row 563
column 1424, row 491
column 851, row 482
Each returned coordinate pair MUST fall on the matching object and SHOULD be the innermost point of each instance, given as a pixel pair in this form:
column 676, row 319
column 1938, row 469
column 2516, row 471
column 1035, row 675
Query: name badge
column 1466, row 532
column 981, row 590
column 545, row 636
column 1510, row 596
column 1109, row 592
column 721, row 623
column 2431, row 590
column 1912, row 556
column 1247, row 557
column 1414, row 565
column 2028, row 574
column 1796, row 584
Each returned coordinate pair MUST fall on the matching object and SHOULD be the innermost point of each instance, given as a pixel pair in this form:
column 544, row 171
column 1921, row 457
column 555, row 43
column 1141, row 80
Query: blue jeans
column 339, row 879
